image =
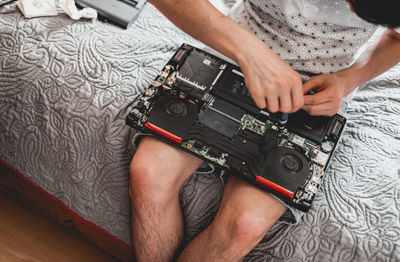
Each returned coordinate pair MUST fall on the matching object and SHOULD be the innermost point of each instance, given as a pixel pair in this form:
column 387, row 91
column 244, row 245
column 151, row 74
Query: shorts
column 291, row 216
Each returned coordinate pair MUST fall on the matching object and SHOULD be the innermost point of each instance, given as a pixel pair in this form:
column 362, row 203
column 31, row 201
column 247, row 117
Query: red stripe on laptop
column 275, row 187
column 163, row 133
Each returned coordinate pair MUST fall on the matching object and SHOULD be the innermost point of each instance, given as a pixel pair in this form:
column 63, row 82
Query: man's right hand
column 272, row 83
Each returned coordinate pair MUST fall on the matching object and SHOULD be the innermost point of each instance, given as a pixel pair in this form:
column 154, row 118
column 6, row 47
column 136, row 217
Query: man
column 275, row 42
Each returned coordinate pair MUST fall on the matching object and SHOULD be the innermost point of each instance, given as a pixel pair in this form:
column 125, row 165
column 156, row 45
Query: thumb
column 311, row 84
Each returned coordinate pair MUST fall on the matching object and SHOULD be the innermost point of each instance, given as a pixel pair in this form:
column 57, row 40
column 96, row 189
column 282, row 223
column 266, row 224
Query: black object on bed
column 199, row 103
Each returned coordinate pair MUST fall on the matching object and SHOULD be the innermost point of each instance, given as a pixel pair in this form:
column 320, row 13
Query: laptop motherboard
column 199, row 103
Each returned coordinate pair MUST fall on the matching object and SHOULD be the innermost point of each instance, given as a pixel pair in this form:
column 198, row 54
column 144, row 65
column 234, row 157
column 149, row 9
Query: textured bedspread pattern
column 66, row 87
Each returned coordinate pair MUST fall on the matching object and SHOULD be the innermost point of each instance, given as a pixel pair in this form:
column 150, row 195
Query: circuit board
column 186, row 110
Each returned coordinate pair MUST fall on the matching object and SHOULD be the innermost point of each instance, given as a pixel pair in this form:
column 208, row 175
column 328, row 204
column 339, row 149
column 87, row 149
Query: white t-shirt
column 313, row 36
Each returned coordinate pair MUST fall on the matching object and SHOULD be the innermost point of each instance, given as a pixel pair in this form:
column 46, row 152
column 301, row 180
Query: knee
column 141, row 174
column 240, row 231
column 249, row 227
column 147, row 182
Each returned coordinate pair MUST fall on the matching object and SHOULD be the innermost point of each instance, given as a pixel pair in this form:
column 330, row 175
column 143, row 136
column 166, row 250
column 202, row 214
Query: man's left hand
column 329, row 91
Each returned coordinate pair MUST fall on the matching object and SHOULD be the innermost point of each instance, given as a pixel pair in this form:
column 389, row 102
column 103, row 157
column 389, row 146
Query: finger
column 297, row 99
column 326, row 109
column 273, row 103
column 311, row 84
column 256, row 93
column 318, row 98
column 285, row 103
column 261, row 103
column 259, row 98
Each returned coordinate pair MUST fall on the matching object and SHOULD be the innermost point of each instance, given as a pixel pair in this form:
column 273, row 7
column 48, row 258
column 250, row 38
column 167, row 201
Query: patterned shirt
column 313, row 36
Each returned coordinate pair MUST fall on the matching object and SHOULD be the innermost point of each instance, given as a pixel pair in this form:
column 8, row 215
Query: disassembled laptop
column 199, row 103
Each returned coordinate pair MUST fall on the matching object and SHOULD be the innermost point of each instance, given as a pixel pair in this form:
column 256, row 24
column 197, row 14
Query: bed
column 65, row 89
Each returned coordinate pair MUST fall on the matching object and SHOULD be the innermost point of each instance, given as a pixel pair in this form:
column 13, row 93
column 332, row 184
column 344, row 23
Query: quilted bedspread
column 66, row 87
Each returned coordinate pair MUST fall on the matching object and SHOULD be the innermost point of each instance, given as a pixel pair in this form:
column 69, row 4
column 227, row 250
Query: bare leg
column 244, row 217
column 158, row 171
